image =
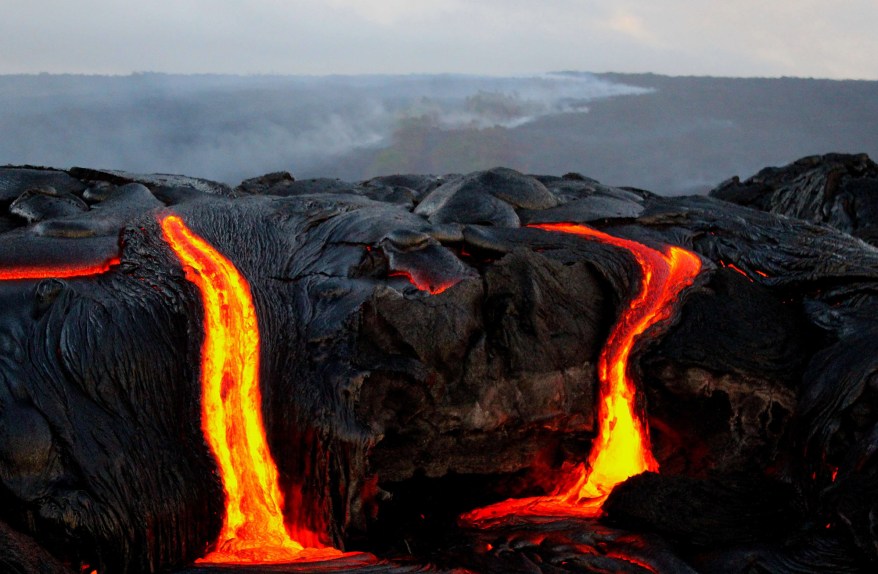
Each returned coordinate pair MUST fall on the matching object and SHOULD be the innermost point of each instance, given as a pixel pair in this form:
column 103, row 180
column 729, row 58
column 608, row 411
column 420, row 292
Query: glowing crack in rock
column 423, row 284
column 622, row 448
column 253, row 526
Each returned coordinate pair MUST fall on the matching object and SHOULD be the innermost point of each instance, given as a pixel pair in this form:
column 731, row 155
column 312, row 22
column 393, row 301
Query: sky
column 805, row 38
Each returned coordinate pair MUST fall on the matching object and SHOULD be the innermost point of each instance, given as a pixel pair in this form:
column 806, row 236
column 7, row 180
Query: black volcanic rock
column 14, row 181
column 290, row 187
column 744, row 383
column 39, row 203
column 487, row 197
column 107, row 216
column 838, row 190
column 155, row 180
column 264, row 183
column 722, row 511
column 423, row 352
column 22, row 555
column 421, row 185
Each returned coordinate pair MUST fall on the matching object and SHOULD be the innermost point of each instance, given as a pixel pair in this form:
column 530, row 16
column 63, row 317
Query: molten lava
column 424, row 284
column 622, row 448
column 253, row 527
column 57, row 272
column 740, row 271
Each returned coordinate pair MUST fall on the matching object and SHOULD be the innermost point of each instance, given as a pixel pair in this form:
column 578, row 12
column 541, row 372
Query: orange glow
column 740, row 271
column 634, row 561
column 622, row 448
column 424, row 284
column 57, row 272
column 253, row 527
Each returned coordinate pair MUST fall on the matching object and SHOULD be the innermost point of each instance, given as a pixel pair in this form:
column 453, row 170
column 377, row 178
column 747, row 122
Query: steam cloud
column 668, row 135
column 228, row 128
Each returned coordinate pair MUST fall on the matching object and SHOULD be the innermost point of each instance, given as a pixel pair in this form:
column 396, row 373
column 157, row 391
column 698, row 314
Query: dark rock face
column 40, row 203
column 266, row 183
column 724, row 511
column 423, row 353
column 497, row 348
column 15, row 180
column 154, row 180
column 487, row 198
column 837, row 190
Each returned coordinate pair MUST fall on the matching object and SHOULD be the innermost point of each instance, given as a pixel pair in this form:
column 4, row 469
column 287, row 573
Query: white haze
column 230, row 127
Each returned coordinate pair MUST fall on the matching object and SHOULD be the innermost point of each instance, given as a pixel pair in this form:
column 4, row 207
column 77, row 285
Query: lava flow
column 622, row 448
column 253, row 527
column 57, row 272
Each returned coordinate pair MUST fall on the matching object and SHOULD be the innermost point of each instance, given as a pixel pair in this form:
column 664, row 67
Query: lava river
column 253, row 528
column 622, row 448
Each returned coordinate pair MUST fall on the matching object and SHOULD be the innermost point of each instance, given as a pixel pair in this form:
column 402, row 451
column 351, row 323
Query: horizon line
column 270, row 75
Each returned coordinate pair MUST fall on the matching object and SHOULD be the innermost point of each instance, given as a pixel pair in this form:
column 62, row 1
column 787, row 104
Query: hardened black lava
column 425, row 350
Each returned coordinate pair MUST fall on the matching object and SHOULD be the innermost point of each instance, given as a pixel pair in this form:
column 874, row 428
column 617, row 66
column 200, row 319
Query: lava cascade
column 622, row 447
column 253, row 528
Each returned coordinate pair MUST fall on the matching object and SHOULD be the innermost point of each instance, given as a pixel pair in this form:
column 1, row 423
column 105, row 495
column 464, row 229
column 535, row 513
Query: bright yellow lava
column 253, row 527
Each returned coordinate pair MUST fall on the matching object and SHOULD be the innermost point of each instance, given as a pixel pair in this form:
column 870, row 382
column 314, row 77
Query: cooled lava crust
column 427, row 347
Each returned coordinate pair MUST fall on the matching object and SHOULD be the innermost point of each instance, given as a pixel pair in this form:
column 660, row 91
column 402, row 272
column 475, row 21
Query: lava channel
column 622, row 447
column 253, row 528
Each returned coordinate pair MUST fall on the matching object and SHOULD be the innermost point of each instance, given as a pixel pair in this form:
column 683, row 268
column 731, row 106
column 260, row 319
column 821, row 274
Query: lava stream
column 253, row 527
column 622, row 448
column 57, row 272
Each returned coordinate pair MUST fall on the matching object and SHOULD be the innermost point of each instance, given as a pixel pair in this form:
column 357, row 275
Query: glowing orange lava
column 622, row 448
column 253, row 527
column 58, row 271
column 740, row 271
column 422, row 284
